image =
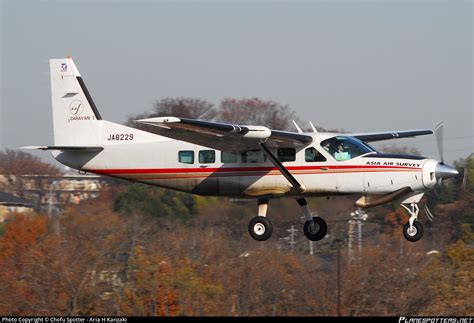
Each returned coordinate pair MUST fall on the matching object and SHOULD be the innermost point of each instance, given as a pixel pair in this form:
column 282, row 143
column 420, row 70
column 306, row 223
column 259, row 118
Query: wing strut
column 282, row 168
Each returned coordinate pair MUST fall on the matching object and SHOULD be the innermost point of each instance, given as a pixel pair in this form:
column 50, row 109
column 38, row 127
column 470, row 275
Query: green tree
column 156, row 202
column 451, row 286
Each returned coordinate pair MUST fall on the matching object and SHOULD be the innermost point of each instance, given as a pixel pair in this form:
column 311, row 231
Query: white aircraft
column 250, row 161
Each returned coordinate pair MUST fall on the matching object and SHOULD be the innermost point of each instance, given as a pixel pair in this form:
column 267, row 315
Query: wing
column 379, row 136
column 224, row 136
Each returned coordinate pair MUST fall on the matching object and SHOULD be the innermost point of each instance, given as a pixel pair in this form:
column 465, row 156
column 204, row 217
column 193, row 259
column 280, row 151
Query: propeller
column 442, row 171
column 439, row 140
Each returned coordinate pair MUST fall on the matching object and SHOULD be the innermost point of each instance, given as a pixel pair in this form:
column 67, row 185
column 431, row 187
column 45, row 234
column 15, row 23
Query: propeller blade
column 429, row 215
column 439, row 140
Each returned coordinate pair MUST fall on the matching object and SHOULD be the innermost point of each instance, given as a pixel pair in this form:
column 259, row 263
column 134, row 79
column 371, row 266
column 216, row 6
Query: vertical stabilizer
column 75, row 116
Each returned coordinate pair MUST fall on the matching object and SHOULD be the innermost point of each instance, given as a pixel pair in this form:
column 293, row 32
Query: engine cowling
column 429, row 173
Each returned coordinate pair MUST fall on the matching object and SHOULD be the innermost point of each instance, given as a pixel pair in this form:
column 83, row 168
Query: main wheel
column 260, row 228
column 414, row 233
column 316, row 229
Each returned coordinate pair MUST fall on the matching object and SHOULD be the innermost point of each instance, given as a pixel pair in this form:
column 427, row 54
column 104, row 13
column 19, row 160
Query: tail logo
column 76, row 108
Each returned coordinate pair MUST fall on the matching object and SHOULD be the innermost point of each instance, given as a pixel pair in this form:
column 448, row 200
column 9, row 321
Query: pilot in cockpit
column 341, row 154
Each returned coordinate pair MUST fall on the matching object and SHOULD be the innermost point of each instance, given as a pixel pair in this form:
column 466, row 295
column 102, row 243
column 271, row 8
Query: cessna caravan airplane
column 245, row 161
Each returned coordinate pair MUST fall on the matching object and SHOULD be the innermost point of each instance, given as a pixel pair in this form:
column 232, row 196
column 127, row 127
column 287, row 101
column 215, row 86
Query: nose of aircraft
column 444, row 171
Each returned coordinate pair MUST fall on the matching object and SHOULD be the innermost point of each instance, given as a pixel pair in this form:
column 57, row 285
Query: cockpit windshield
column 345, row 148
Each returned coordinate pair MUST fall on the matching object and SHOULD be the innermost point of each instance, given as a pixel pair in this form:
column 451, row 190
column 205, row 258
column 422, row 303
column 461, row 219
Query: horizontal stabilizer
column 64, row 148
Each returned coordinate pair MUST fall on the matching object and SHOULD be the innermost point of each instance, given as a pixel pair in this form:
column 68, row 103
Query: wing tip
column 33, row 147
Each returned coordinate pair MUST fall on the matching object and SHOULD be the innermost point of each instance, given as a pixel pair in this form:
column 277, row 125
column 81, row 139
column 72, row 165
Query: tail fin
column 75, row 116
column 77, row 123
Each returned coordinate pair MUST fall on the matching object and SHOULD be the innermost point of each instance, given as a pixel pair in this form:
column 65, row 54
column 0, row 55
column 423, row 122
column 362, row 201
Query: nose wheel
column 413, row 233
column 413, row 230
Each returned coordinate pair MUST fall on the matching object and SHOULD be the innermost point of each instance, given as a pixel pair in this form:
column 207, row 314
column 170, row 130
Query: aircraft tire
column 260, row 228
column 315, row 230
column 415, row 234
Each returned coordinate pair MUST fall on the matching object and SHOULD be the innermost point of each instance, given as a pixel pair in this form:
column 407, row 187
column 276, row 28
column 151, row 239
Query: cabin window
column 253, row 156
column 311, row 155
column 229, row 157
column 207, row 156
column 186, row 156
column 286, row 154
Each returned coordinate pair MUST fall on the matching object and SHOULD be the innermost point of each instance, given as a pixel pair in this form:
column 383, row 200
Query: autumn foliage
column 241, row 111
column 108, row 263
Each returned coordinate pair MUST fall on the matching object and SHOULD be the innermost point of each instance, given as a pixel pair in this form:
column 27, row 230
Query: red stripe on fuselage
column 325, row 168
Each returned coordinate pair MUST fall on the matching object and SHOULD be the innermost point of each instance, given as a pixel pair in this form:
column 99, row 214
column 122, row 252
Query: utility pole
column 292, row 242
column 291, row 238
column 350, row 236
column 356, row 218
column 464, row 178
column 339, row 242
column 53, row 212
column 50, row 201
column 359, row 235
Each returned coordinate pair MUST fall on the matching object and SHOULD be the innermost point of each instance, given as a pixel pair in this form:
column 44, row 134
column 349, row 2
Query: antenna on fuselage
column 312, row 127
column 297, row 128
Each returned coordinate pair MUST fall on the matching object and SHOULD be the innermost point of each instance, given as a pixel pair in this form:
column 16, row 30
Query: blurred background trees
column 252, row 111
column 15, row 162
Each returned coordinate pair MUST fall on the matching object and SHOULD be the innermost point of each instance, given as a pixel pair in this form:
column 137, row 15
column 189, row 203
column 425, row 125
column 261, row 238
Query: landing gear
column 260, row 228
column 315, row 229
column 413, row 233
column 413, row 230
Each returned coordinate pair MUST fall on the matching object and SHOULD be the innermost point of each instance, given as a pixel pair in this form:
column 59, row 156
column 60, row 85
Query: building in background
column 10, row 203
column 52, row 191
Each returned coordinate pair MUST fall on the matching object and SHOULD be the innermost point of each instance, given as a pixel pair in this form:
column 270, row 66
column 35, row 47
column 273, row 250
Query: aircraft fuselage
column 158, row 163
